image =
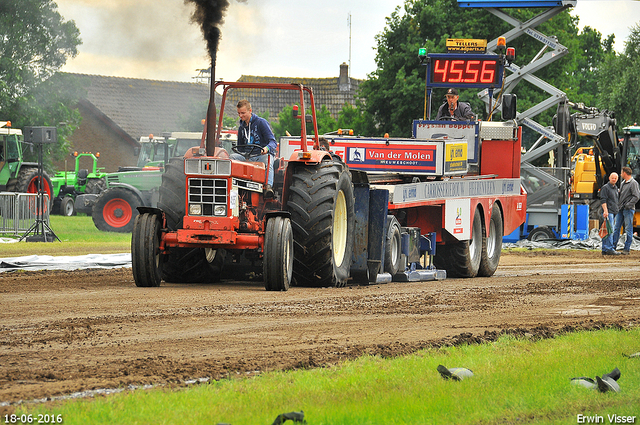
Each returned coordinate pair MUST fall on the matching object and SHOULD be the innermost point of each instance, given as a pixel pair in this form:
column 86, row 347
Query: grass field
column 516, row 381
column 78, row 236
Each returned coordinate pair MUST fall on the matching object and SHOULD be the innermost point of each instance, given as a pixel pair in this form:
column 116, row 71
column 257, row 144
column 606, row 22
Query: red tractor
column 211, row 206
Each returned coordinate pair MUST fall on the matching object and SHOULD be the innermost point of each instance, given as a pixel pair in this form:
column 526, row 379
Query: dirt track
column 62, row 332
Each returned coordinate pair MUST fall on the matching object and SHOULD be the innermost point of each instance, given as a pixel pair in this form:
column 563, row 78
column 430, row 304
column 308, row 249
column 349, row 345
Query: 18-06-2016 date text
column 41, row 418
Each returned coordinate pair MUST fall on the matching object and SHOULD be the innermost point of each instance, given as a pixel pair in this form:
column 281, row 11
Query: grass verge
column 516, row 381
column 78, row 236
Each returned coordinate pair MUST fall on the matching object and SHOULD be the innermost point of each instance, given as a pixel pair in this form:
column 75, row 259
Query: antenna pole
column 349, row 23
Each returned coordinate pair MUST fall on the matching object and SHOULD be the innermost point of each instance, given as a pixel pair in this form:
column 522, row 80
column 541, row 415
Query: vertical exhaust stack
column 211, row 113
column 210, row 15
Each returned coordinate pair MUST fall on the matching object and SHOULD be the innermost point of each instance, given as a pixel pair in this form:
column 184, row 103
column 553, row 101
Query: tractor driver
column 254, row 130
column 454, row 110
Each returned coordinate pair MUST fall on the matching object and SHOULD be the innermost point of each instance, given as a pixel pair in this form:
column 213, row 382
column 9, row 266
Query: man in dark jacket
column 629, row 195
column 609, row 198
column 256, row 131
column 454, row 110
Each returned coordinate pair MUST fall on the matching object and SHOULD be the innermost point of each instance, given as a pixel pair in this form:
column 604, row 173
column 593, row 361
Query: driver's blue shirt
column 257, row 132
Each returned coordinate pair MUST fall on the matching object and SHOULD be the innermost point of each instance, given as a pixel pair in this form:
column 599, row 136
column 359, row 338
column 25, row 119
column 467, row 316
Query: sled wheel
column 492, row 244
column 277, row 264
column 462, row 258
column 393, row 246
column 145, row 255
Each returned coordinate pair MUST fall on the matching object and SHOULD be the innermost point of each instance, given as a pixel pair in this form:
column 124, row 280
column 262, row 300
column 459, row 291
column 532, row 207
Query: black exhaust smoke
column 210, row 15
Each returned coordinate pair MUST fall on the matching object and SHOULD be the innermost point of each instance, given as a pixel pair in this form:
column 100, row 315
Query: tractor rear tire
column 492, row 244
column 277, row 264
column 27, row 182
column 115, row 210
column 321, row 204
column 95, row 186
column 462, row 258
column 393, row 246
column 146, row 260
column 173, row 192
column 193, row 265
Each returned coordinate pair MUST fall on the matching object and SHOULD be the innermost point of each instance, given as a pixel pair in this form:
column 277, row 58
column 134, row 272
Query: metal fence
column 19, row 211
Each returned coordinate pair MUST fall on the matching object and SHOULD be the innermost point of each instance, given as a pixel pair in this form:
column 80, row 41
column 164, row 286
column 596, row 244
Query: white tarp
column 49, row 262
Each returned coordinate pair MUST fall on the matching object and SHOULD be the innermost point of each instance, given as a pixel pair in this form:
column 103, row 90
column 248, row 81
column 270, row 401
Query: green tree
column 287, row 123
column 356, row 119
column 619, row 81
column 394, row 93
column 35, row 42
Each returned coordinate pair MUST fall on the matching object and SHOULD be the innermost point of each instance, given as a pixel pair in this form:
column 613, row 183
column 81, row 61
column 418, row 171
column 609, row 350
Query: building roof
column 331, row 92
column 134, row 107
column 140, row 107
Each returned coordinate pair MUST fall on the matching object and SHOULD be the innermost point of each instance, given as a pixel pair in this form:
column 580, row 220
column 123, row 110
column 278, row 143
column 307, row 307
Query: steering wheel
column 248, row 153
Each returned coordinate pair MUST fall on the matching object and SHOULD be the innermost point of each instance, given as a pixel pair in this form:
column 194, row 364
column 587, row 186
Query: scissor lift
column 544, row 206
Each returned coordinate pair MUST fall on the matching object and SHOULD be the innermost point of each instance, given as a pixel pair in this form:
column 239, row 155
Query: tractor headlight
column 220, row 210
column 195, row 209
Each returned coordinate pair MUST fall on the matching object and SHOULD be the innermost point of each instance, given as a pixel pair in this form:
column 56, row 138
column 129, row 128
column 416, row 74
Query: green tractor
column 67, row 185
column 115, row 209
column 16, row 175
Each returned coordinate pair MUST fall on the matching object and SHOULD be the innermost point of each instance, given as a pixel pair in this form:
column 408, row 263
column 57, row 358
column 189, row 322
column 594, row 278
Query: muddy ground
column 62, row 332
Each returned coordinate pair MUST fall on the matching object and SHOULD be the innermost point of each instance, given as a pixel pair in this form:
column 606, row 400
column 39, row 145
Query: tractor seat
column 82, row 176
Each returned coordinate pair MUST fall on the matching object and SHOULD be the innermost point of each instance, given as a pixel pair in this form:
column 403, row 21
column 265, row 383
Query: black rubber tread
column 173, row 193
column 24, row 178
column 541, row 233
column 190, row 265
column 277, row 263
column 97, row 214
column 489, row 264
column 95, row 186
column 393, row 237
column 455, row 257
column 145, row 257
column 311, row 202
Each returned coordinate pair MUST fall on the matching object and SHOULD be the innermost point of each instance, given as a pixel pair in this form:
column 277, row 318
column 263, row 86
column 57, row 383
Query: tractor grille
column 208, row 193
column 112, row 179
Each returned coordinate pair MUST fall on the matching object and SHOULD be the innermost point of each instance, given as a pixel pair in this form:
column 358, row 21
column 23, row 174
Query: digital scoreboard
column 464, row 70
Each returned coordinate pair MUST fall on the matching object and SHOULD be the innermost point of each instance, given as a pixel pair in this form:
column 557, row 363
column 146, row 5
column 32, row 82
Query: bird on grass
column 608, row 382
column 454, row 373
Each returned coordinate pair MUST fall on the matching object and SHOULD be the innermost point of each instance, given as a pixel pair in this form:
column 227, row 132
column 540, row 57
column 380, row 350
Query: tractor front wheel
column 146, row 260
column 67, row 207
column 277, row 264
column 115, row 210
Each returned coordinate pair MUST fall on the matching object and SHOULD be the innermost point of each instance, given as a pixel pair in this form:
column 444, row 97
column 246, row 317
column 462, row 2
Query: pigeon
column 608, row 382
column 455, row 373
column 293, row 416
column 583, row 381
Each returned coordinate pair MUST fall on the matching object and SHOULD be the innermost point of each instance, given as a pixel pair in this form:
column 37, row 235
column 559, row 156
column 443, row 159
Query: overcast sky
column 154, row 39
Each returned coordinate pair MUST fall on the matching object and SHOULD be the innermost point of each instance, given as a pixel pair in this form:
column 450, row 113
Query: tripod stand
column 40, row 228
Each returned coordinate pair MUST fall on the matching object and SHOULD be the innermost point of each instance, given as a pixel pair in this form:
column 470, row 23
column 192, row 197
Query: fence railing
column 19, row 211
